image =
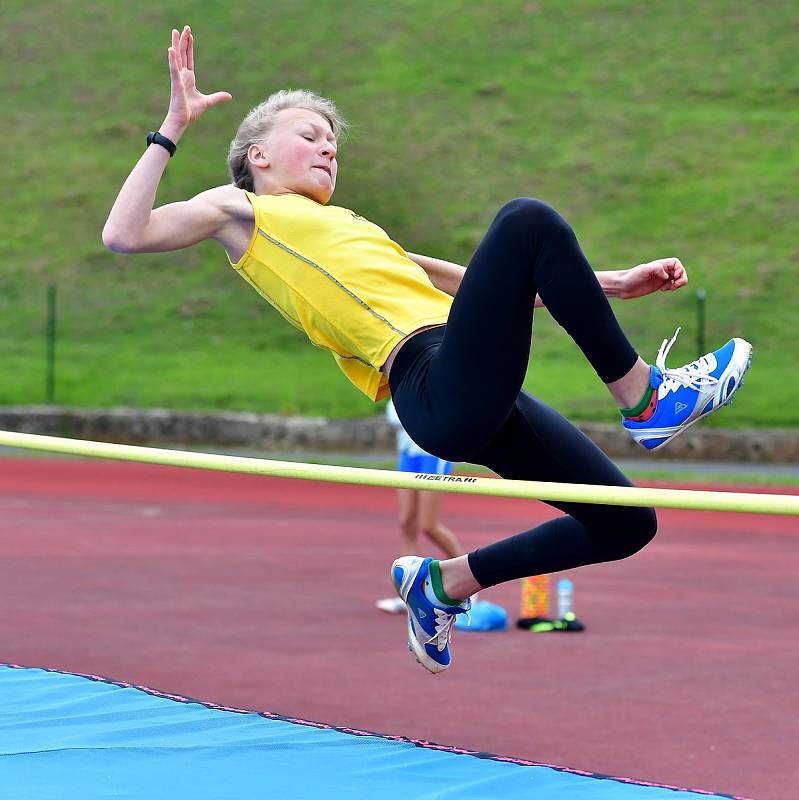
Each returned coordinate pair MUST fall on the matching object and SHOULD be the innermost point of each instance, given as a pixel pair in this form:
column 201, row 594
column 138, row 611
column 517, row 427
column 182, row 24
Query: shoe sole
column 727, row 402
column 421, row 656
column 413, row 645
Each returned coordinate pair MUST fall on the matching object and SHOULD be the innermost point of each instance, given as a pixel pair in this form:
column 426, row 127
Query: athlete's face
column 300, row 153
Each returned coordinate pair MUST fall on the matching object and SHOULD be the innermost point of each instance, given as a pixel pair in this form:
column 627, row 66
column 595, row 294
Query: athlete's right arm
column 133, row 226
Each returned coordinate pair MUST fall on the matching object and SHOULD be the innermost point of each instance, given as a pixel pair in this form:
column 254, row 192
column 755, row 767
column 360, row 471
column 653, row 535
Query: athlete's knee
column 532, row 215
column 635, row 529
column 646, row 526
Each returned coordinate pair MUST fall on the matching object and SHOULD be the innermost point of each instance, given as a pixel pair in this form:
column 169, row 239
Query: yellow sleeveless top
column 342, row 280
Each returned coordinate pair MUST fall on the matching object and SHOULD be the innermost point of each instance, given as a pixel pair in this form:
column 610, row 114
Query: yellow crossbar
column 494, row 487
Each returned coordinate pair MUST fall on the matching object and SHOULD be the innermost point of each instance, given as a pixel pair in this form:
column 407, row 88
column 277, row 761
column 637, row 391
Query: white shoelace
column 694, row 375
column 443, row 632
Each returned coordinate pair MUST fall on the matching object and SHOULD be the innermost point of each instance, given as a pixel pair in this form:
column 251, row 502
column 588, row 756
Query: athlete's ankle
column 627, row 390
column 646, row 406
column 457, row 579
column 437, row 585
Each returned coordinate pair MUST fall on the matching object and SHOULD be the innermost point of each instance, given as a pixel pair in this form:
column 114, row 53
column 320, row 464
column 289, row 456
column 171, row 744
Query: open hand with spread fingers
column 187, row 103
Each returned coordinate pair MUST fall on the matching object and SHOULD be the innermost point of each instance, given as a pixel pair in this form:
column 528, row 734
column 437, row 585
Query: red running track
column 260, row 593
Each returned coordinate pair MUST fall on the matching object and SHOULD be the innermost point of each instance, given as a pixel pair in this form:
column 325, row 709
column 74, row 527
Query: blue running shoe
column 686, row 394
column 429, row 625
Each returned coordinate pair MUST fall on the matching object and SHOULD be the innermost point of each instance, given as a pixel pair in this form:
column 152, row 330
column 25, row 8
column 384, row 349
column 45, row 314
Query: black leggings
column 457, row 391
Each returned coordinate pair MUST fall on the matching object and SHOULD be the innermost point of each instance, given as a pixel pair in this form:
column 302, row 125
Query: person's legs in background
column 420, row 512
column 409, row 520
column 429, row 523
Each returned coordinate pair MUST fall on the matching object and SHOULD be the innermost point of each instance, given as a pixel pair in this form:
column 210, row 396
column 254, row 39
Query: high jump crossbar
column 494, row 487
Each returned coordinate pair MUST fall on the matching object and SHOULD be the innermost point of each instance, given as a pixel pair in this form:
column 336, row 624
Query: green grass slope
column 657, row 128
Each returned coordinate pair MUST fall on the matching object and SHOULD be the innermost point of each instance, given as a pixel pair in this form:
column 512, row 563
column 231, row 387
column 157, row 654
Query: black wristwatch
column 155, row 137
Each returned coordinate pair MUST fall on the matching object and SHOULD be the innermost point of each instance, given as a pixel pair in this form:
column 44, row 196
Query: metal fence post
column 701, row 296
column 51, row 317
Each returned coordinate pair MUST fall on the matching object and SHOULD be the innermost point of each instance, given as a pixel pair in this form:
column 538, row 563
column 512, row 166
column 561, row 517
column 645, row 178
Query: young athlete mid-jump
column 449, row 344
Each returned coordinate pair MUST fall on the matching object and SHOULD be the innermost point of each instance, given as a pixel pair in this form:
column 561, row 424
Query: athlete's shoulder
column 228, row 199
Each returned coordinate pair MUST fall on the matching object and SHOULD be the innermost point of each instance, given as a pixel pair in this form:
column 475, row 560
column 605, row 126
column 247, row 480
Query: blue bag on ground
column 484, row 616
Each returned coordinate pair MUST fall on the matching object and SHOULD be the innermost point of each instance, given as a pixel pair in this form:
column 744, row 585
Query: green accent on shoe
column 641, row 407
column 438, row 586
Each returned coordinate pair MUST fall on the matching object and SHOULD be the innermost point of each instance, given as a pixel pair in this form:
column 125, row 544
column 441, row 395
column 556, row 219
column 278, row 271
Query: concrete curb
column 368, row 434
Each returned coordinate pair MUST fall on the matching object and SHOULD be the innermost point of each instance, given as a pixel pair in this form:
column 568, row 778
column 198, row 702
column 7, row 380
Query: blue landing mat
column 65, row 736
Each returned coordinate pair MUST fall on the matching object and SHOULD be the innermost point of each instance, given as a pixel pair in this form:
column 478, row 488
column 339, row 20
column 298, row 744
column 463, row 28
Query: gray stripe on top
column 335, row 280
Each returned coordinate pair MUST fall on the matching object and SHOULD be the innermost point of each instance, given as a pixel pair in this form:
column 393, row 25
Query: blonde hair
column 255, row 127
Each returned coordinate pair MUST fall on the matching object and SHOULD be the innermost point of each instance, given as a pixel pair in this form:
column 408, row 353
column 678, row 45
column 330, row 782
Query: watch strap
column 156, row 137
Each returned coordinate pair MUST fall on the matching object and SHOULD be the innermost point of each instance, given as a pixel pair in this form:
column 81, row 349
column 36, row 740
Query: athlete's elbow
column 117, row 241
